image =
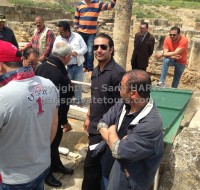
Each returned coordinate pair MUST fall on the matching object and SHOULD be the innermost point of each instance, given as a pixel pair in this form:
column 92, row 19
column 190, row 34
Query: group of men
column 123, row 124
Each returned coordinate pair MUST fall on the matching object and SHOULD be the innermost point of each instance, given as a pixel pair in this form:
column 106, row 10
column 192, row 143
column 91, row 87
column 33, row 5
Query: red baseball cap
column 8, row 52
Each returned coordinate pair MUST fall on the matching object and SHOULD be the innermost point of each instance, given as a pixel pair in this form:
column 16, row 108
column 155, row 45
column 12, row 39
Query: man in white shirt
column 79, row 48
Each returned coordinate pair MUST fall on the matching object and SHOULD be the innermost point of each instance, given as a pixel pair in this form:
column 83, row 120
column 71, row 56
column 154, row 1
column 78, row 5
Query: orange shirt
column 172, row 46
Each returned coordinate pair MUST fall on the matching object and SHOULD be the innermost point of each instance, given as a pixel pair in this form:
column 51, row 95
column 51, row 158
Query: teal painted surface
column 171, row 104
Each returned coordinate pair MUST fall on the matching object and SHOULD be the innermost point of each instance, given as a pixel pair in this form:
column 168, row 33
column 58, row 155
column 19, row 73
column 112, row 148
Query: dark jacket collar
column 58, row 63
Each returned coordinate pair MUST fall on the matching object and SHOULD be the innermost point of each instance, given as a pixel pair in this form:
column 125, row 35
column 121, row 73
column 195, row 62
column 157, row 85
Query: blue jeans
column 104, row 183
column 75, row 72
column 36, row 184
column 178, row 71
column 89, row 56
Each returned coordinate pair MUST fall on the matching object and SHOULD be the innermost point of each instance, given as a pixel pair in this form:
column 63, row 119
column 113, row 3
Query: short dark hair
column 65, row 25
column 140, row 81
column 145, row 23
column 110, row 40
column 14, row 64
column 26, row 53
column 176, row 28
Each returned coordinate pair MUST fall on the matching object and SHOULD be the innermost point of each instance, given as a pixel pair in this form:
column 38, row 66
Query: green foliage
column 30, row 3
column 70, row 5
column 172, row 3
column 197, row 19
column 141, row 13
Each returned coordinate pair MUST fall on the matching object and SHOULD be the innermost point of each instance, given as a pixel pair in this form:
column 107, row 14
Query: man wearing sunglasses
column 143, row 48
column 175, row 54
column 104, row 93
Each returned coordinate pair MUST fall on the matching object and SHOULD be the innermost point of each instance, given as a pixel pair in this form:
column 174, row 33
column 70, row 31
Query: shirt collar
column 19, row 74
column 41, row 30
column 71, row 36
column 109, row 66
column 85, row 3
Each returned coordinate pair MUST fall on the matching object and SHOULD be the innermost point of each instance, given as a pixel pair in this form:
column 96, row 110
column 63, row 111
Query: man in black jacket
column 54, row 69
column 6, row 34
column 143, row 48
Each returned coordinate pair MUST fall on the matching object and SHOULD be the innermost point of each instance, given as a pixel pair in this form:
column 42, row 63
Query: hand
column 67, row 127
column 85, row 70
column 74, row 53
column 176, row 56
column 41, row 58
column 158, row 55
column 86, row 123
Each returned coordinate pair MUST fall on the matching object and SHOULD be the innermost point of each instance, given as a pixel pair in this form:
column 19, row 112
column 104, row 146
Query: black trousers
column 92, row 167
column 135, row 66
column 55, row 157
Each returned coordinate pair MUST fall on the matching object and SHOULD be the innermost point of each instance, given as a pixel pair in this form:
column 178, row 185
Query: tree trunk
column 123, row 13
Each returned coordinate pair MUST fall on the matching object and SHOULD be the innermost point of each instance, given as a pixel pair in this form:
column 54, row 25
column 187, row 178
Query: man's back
column 27, row 108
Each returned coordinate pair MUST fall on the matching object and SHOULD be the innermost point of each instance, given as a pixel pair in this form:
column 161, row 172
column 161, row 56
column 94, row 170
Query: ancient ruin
column 182, row 171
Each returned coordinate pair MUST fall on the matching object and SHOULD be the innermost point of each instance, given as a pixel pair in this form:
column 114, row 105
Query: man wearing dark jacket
column 133, row 130
column 54, row 69
column 143, row 48
column 6, row 34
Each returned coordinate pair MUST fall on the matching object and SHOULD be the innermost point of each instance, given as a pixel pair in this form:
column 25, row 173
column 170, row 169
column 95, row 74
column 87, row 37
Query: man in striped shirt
column 85, row 22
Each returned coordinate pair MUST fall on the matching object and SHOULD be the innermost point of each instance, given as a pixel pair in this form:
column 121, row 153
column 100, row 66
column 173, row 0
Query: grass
column 195, row 4
column 68, row 5
column 30, row 3
column 197, row 19
column 141, row 13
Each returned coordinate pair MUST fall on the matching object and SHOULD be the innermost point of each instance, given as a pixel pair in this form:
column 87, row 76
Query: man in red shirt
column 175, row 54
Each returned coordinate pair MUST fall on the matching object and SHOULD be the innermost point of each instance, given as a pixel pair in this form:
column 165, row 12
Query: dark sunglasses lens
column 95, row 47
column 103, row 47
column 172, row 34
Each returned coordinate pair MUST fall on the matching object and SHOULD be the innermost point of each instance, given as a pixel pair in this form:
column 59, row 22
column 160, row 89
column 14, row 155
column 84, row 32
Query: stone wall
column 158, row 27
column 27, row 14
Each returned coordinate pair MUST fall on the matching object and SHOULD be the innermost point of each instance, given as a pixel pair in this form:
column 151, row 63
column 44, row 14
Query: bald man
column 42, row 40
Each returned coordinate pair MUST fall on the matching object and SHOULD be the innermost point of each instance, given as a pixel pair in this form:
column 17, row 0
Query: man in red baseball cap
column 10, row 61
column 8, row 52
column 25, row 113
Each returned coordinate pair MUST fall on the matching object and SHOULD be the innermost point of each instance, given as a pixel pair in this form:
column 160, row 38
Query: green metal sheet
column 171, row 104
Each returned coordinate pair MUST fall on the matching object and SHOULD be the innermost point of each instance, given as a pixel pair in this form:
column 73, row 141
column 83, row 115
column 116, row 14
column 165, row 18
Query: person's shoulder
column 151, row 35
column 167, row 39
column 183, row 38
column 77, row 35
column 137, row 34
column 118, row 67
column 49, row 30
column 8, row 29
column 58, row 38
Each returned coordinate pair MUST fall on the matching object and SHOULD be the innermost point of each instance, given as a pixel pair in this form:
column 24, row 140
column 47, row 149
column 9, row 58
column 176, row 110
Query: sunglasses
column 173, row 35
column 102, row 46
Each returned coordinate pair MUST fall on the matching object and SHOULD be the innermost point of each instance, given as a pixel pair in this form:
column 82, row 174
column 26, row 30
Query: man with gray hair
column 54, row 69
